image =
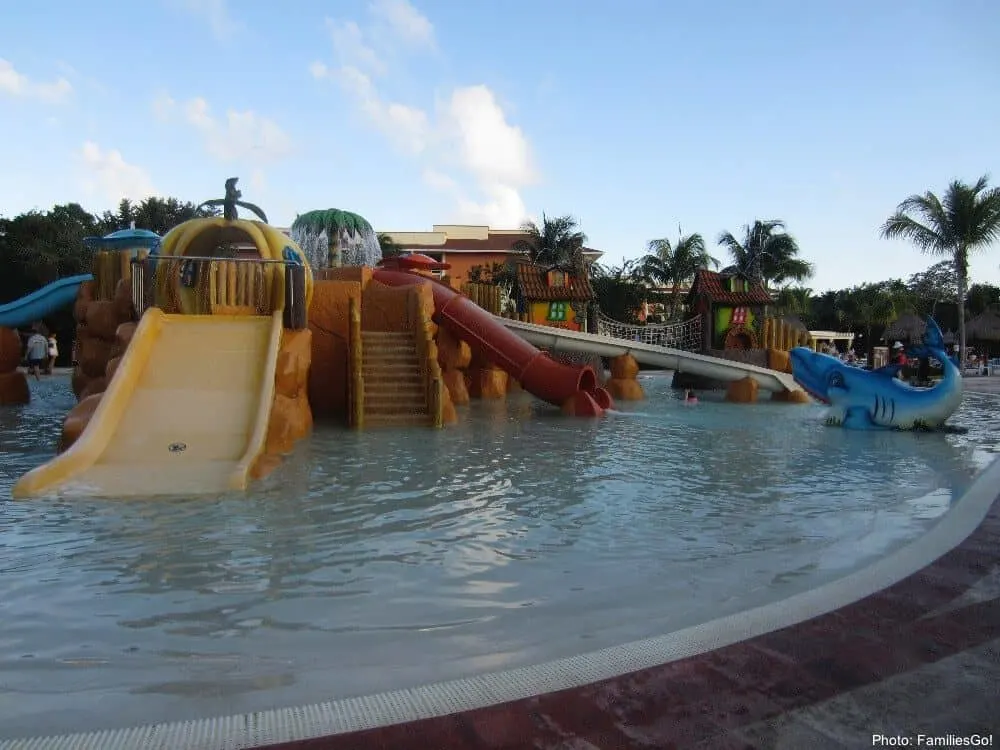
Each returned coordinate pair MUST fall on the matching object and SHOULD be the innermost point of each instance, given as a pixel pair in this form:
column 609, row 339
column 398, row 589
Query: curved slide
column 651, row 354
column 42, row 302
column 537, row 373
column 186, row 412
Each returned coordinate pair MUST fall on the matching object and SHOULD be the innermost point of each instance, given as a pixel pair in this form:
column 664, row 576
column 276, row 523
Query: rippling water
column 385, row 559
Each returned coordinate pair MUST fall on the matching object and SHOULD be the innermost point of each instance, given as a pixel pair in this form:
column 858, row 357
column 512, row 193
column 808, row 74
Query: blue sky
column 635, row 117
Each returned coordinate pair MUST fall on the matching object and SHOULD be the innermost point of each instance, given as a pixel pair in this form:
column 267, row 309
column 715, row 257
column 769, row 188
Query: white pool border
column 252, row 730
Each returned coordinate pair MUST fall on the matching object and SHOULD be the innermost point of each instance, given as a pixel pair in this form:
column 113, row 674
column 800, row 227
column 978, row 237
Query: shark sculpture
column 877, row 399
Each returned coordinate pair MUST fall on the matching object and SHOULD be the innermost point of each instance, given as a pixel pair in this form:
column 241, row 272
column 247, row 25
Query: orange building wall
column 539, row 312
column 462, row 262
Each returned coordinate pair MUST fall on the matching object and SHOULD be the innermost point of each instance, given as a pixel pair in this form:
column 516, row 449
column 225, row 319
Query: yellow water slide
column 188, row 408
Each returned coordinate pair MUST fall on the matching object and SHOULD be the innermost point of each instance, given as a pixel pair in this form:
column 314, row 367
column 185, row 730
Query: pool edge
column 290, row 725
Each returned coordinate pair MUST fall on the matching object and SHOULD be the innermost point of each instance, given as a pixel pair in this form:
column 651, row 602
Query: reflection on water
column 390, row 558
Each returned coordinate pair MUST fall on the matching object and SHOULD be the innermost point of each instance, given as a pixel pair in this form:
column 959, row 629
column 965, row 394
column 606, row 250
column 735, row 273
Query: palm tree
column 675, row 264
column 967, row 219
column 795, row 300
column 867, row 306
column 767, row 254
column 619, row 290
column 557, row 242
column 388, row 245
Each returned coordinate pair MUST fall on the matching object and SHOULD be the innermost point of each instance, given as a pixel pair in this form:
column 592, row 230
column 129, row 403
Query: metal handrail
column 158, row 258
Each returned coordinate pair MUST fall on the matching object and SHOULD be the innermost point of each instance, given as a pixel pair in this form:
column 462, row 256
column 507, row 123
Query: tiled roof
column 534, row 285
column 713, row 285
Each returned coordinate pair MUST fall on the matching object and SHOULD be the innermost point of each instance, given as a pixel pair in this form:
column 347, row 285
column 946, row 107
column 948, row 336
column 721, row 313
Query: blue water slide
column 42, row 303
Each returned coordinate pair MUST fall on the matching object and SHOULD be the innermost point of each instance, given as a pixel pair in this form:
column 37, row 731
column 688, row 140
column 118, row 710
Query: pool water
column 386, row 559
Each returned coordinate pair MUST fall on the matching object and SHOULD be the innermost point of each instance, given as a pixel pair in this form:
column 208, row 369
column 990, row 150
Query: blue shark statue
column 877, row 399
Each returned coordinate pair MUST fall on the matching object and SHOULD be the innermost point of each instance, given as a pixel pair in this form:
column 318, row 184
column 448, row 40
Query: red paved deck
column 712, row 700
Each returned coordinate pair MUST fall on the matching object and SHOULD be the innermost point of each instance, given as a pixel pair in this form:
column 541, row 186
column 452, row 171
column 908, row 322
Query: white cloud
column 493, row 150
column 19, row 85
column 237, row 137
column 107, row 175
column 351, row 48
column 406, row 22
column 407, row 127
column 216, row 13
column 469, row 134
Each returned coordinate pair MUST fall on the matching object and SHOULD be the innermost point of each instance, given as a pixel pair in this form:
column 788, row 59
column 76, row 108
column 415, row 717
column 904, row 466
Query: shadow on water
column 512, row 537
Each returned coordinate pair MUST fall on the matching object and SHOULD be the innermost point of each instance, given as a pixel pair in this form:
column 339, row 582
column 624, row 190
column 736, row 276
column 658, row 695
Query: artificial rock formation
column 291, row 416
column 453, row 356
column 743, row 391
column 13, row 383
column 791, row 397
column 89, row 390
column 623, row 383
column 97, row 323
column 485, row 380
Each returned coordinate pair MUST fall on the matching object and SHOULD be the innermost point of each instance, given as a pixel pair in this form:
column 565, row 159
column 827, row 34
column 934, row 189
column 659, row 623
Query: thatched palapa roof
column 911, row 327
column 985, row 326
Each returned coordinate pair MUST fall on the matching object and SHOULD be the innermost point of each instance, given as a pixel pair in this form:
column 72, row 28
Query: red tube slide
column 574, row 388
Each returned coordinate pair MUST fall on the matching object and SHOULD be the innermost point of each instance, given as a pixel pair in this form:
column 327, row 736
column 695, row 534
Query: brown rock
column 624, row 367
column 488, row 383
column 10, row 350
column 124, row 334
column 791, row 397
column 291, row 420
column 79, row 381
column 83, row 299
column 449, row 414
column 264, row 465
column 291, row 377
column 742, row 391
column 453, row 353
column 625, row 389
column 109, row 371
column 103, row 320
column 77, row 420
column 93, row 356
column 123, row 300
column 454, row 382
column 94, row 386
column 14, row 388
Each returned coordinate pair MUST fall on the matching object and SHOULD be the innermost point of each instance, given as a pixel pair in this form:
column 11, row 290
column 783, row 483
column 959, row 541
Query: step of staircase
column 397, row 420
column 395, row 395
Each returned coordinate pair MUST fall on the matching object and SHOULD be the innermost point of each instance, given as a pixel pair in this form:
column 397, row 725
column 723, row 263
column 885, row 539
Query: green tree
column 158, row 215
column 556, row 242
column 619, row 290
column 966, row 219
column 871, row 306
column 982, row 297
column 937, row 284
column 675, row 264
column 767, row 253
column 795, row 300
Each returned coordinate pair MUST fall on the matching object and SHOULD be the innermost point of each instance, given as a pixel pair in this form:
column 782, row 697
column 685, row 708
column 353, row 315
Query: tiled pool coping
column 693, row 686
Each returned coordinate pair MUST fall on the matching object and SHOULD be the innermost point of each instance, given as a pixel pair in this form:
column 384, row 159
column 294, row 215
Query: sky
column 639, row 118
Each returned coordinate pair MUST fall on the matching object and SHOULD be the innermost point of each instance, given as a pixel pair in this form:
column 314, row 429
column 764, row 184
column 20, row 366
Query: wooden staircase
column 395, row 392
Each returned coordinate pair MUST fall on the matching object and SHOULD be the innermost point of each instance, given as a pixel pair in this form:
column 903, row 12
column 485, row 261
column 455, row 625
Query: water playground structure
column 204, row 357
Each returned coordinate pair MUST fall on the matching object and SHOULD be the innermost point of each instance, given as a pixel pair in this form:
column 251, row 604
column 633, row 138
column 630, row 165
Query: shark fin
column 932, row 335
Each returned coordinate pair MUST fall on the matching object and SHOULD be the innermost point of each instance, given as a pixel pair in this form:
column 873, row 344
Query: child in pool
column 689, row 397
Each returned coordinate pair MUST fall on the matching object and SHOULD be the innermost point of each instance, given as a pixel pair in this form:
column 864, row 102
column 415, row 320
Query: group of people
column 41, row 353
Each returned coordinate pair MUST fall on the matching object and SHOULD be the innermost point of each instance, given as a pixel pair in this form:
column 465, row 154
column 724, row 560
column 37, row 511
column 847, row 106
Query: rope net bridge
column 686, row 335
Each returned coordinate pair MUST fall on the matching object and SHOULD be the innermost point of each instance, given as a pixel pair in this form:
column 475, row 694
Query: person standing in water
column 53, row 352
column 689, row 397
column 38, row 354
